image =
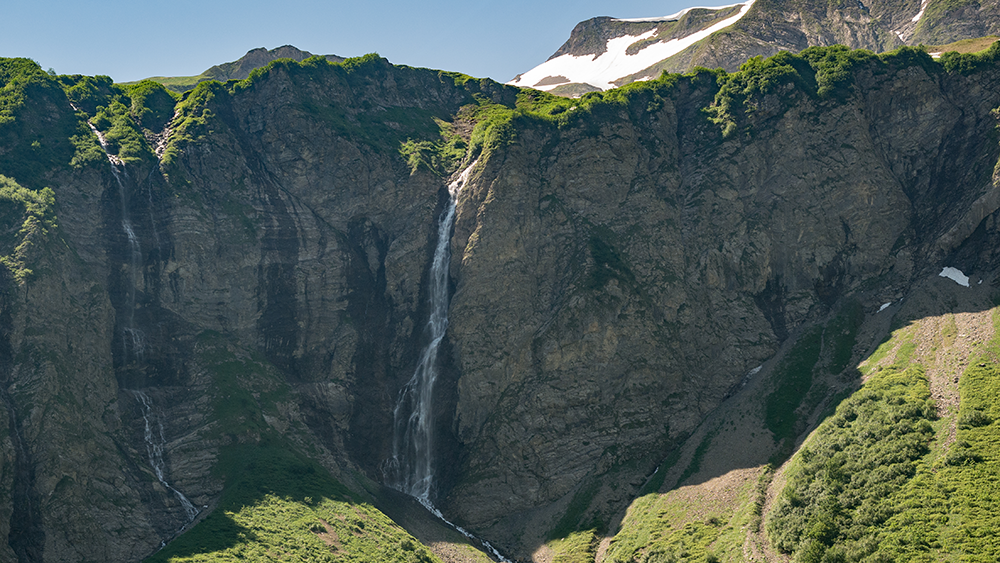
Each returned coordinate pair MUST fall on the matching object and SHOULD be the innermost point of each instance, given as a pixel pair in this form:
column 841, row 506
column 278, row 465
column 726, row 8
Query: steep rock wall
column 620, row 276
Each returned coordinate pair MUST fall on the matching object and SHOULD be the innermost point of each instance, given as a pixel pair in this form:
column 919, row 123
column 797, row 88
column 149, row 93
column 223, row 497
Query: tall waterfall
column 413, row 437
column 133, row 339
column 411, row 469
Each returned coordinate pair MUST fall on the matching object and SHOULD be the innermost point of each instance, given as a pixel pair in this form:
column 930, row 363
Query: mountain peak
column 239, row 69
column 606, row 52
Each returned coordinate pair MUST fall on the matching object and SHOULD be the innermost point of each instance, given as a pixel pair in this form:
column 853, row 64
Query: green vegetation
column 25, row 217
column 872, row 484
column 793, row 377
column 123, row 137
column 572, row 520
column 48, row 135
column 424, row 135
column 965, row 45
column 681, row 524
column 152, row 104
column 421, row 133
column 667, row 529
column 123, row 115
column 88, row 92
column 276, row 504
column 497, row 124
column 699, row 455
column 34, row 138
column 823, row 73
column 841, row 334
column 577, row 547
column 440, row 156
column 840, row 482
column 965, row 63
column 180, row 84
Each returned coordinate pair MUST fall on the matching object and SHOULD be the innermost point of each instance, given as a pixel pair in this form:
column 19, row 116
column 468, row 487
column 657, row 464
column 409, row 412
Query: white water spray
column 411, row 469
column 413, row 437
column 133, row 339
column 155, row 443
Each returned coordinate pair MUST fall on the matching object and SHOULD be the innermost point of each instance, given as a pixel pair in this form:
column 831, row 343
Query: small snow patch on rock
column 884, row 306
column 955, row 275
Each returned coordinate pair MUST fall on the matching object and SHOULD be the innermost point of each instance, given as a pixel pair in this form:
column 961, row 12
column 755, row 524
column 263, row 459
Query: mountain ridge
column 239, row 69
column 768, row 27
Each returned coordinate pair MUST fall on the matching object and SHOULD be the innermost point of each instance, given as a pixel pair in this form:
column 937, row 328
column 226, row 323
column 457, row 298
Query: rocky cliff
column 241, row 274
column 726, row 37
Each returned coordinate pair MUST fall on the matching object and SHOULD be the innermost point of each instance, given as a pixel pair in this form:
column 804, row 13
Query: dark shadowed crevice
column 276, row 284
column 368, row 310
column 27, row 533
column 771, row 302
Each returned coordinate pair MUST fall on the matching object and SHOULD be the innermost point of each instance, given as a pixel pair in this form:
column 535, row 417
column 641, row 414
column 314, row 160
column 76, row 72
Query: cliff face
column 619, row 265
column 620, row 276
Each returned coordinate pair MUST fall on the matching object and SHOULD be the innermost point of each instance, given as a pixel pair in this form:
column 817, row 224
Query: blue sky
column 134, row 39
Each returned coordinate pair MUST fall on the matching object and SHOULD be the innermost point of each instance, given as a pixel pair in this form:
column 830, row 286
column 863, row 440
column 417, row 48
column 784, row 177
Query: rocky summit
column 605, row 52
column 343, row 311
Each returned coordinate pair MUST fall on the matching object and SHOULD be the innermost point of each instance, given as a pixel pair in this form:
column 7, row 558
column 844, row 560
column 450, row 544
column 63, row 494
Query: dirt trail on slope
column 948, row 362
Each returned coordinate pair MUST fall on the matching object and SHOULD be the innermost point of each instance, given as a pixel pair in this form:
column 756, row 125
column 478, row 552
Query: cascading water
column 413, row 438
column 133, row 339
column 411, row 469
column 155, row 442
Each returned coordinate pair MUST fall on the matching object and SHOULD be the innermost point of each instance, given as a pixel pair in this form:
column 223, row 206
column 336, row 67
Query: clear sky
column 133, row 39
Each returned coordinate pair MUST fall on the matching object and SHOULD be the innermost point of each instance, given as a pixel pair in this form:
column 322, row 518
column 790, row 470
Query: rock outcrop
column 722, row 38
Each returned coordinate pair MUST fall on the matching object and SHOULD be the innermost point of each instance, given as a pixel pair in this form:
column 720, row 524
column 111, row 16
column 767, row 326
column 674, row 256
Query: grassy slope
column 879, row 479
column 965, row 45
column 279, row 506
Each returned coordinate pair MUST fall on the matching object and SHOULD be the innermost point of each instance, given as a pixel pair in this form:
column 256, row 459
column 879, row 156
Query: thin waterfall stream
column 133, row 339
column 411, row 469
column 155, row 443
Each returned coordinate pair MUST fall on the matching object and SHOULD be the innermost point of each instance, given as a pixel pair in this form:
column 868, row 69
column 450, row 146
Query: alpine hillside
column 238, row 69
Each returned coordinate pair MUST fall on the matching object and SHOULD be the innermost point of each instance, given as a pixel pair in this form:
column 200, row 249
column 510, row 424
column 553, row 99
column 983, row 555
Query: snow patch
column 601, row 71
column 955, row 275
column 920, row 14
column 884, row 306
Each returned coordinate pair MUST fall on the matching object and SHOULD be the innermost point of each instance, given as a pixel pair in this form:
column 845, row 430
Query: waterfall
column 411, row 469
column 155, row 443
column 133, row 339
column 413, row 437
